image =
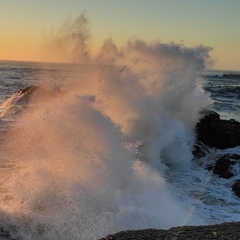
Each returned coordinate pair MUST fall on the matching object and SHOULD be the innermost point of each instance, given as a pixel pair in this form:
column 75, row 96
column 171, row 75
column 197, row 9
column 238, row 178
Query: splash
column 71, row 41
column 92, row 160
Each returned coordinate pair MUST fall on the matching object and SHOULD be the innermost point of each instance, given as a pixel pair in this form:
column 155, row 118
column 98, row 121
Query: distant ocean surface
column 224, row 88
column 98, row 148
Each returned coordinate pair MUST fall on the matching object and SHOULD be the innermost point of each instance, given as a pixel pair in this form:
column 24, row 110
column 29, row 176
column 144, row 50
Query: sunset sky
column 25, row 23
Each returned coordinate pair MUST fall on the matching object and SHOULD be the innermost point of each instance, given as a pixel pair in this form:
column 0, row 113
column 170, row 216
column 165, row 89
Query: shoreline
column 223, row 231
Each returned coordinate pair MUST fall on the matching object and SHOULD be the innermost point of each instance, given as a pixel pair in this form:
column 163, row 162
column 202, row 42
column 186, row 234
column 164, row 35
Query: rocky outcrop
column 213, row 132
column 200, row 150
column 223, row 166
column 224, row 231
column 218, row 133
column 26, row 97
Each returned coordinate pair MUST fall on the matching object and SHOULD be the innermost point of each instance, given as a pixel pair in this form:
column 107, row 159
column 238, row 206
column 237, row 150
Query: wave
column 93, row 160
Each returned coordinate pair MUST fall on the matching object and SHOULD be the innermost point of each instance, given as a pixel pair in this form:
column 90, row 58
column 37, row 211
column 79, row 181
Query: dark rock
column 200, row 150
column 234, row 156
column 224, row 165
column 25, row 95
column 217, row 133
column 224, row 231
column 210, row 167
column 209, row 116
column 236, row 188
column 28, row 89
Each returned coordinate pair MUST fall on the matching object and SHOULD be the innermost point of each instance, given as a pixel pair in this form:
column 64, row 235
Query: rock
column 33, row 94
column 236, row 188
column 217, row 133
column 200, row 150
column 25, row 95
column 223, row 231
column 28, row 89
column 21, row 98
column 212, row 132
column 223, row 165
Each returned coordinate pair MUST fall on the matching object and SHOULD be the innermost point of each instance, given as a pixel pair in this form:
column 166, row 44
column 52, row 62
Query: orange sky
column 24, row 24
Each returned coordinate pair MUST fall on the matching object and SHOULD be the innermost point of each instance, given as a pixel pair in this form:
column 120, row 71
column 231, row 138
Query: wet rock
column 25, row 95
column 217, row 133
column 223, row 165
column 200, row 150
column 28, row 89
column 212, row 132
column 236, row 188
column 223, row 231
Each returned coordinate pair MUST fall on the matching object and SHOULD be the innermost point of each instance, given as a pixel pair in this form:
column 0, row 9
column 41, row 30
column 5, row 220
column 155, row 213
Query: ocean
column 104, row 146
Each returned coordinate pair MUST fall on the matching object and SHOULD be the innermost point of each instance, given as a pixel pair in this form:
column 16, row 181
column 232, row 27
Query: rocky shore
column 216, row 132
column 211, row 132
column 225, row 231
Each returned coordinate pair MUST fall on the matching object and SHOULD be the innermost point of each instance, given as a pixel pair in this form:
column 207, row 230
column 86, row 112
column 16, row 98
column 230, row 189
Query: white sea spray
column 93, row 159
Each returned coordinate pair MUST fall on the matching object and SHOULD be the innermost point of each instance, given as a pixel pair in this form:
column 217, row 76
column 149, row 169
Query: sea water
column 106, row 145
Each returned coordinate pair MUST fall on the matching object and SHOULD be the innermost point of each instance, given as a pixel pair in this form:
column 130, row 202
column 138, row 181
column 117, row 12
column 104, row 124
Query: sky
column 216, row 23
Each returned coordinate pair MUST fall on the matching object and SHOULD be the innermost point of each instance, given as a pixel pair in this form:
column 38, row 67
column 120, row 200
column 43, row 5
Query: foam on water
column 95, row 158
column 213, row 196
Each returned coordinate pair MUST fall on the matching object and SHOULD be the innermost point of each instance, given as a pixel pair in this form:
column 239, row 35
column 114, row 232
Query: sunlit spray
column 91, row 159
